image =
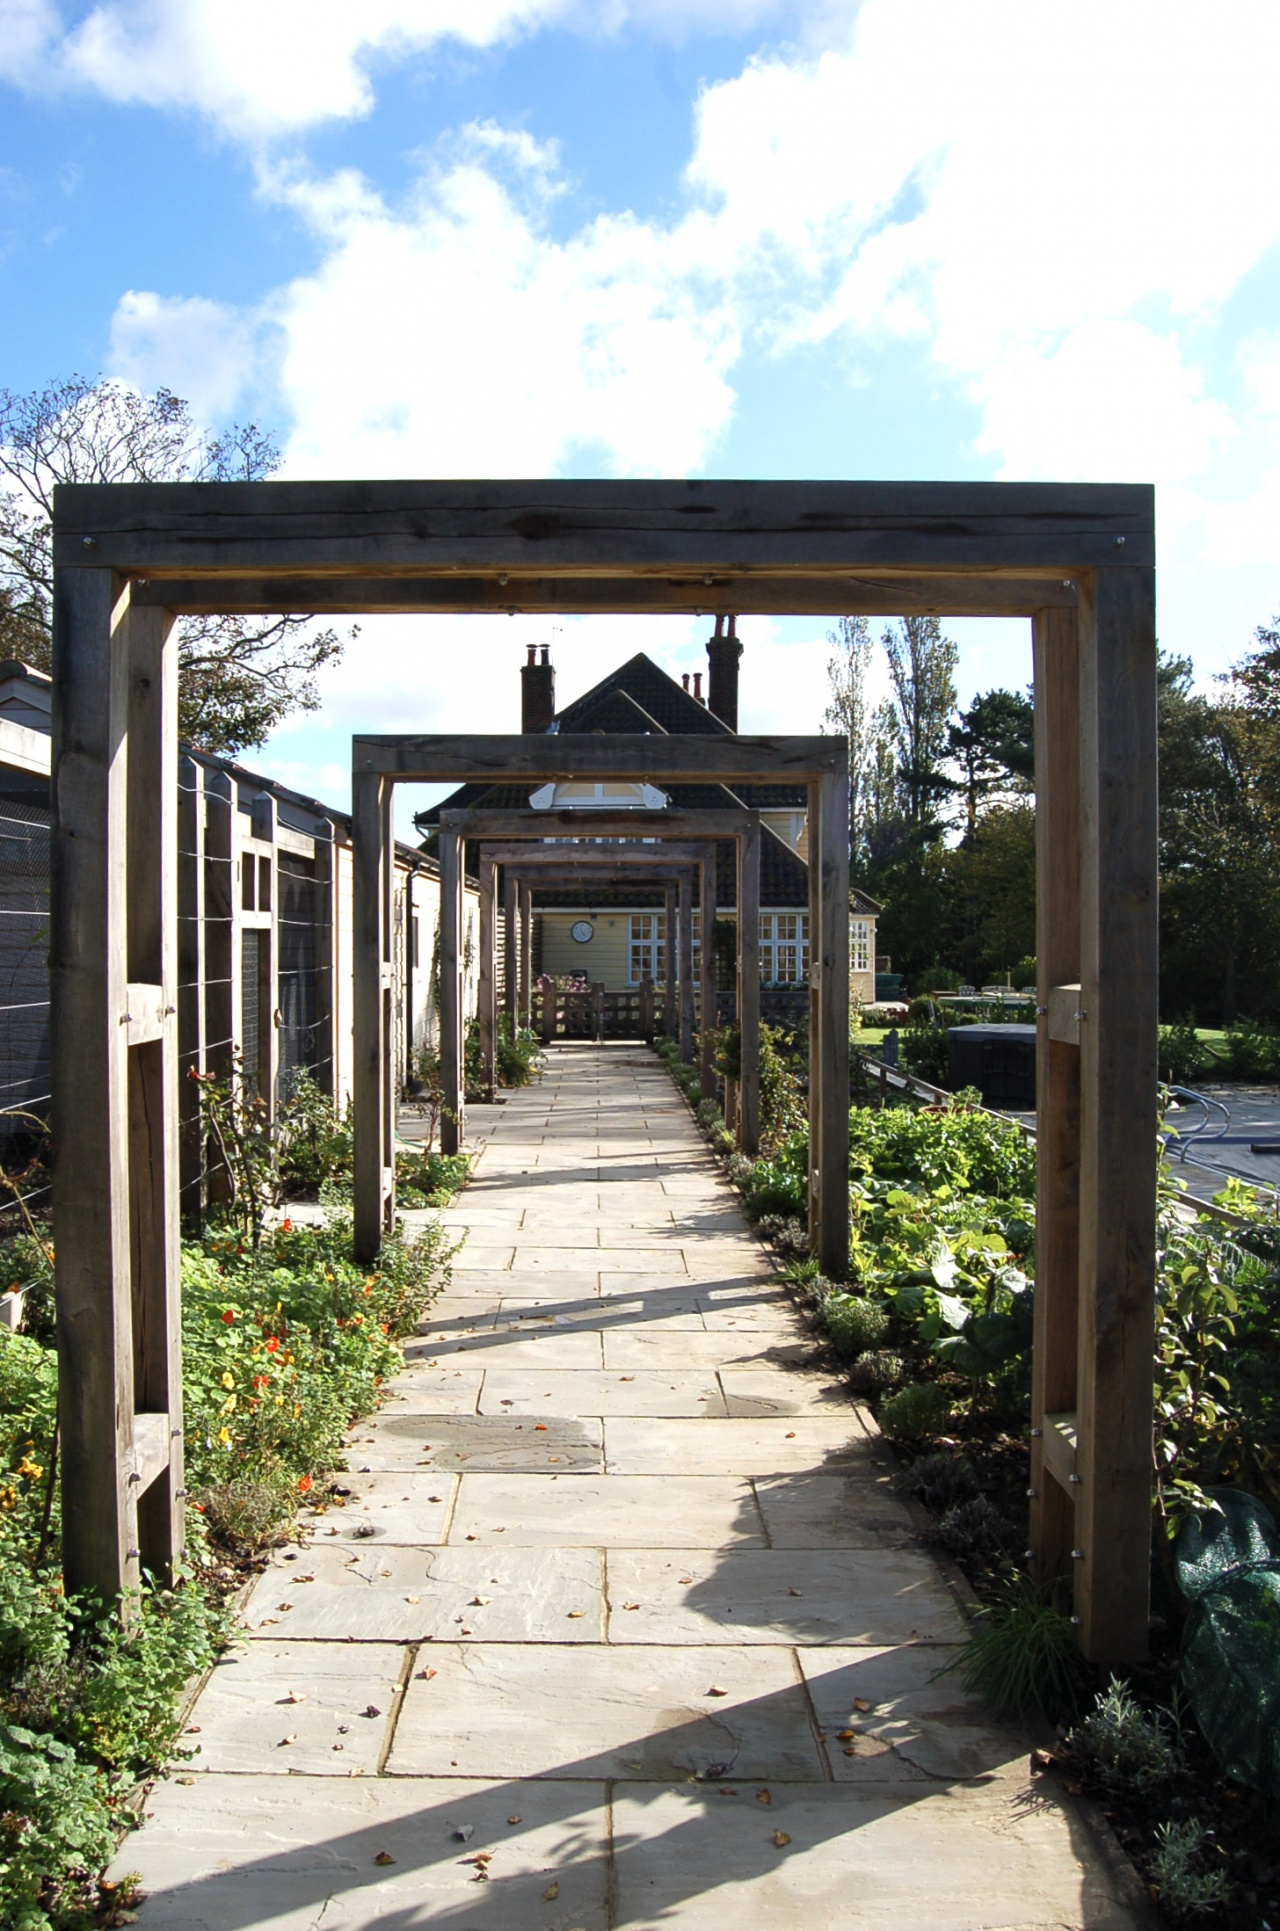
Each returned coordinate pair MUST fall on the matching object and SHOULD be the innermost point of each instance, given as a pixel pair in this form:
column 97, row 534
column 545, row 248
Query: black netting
column 1228, row 1566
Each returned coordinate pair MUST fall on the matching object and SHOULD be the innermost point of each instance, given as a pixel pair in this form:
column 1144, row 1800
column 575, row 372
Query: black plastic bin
column 999, row 1060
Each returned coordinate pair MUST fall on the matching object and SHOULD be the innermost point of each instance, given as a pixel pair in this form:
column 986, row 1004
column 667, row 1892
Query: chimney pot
column 537, row 691
column 697, row 685
column 685, row 680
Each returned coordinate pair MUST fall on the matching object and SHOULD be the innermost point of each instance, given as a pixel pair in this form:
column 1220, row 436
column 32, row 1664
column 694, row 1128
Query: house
column 616, row 937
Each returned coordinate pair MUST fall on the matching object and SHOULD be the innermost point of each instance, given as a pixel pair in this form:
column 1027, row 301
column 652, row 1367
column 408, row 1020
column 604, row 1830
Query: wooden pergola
column 820, row 764
column 674, row 822
column 1078, row 559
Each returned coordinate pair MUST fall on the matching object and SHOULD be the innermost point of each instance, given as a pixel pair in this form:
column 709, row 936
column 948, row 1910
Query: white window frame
column 784, row 948
column 861, row 944
column 646, row 947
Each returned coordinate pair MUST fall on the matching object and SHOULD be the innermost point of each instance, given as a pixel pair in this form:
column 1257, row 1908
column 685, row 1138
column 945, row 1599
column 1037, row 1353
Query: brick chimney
column 537, row 691
column 697, row 686
column 723, row 651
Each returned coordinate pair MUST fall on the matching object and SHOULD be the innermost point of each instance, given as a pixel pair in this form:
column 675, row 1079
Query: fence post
column 371, row 994
column 486, row 999
column 686, row 965
column 749, row 988
column 452, row 1126
column 707, row 1015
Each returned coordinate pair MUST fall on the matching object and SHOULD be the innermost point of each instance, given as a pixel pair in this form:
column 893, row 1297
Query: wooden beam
column 749, row 991
column 1056, row 651
column 90, row 1112
column 452, row 1124
column 191, row 978
column 829, row 949
column 680, row 957
column 369, row 976
column 708, row 1015
column 154, row 1196
column 598, row 527
column 508, row 760
column 527, row 825
column 535, row 854
column 863, row 595
column 486, row 1000
column 1118, row 966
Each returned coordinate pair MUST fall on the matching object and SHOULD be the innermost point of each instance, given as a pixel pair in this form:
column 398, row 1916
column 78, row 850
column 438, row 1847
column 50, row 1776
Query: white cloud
column 265, row 71
column 457, row 337
column 201, row 350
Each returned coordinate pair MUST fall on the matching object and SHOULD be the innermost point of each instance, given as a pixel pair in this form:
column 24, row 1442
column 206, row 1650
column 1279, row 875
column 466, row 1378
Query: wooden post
column 597, row 1009
column 152, row 910
column 510, row 947
column 451, row 1120
column 371, row 993
column 487, row 1004
column 749, row 988
column 526, row 951
column 684, row 936
column 829, row 946
column 327, row 1000
column 191, row 977
column 1056, row 646
column 1118, row 963
column 670, row 976
column 646, row 1007
column 816, row 1082
column 707, row 1013
column 90, row 1114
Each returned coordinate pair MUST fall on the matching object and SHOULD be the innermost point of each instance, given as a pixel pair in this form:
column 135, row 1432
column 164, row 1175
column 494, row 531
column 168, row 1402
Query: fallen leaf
column 540, row 1428
column 284, row 1740
column 764, row 1796
column 473, row 1538
column 716, row 1690
column 844, row 1735
column 295, row 1696
column 425, row 1676
column 193, row 1729
column 513, row 1820
column 384, row 1857
column 480, row 1602
column 795, row 1592
column 791, row 1434
column 435, row 1498
column 684, row 1580
column 575, row 1613
column 781, row 1837
column 344, row 1729
column 551, row 1893
column 631, row 1605
column 184, row 1779
column 464, row 1831
column 268, row 1622
column 850, row 1750
column 464, row 1631
column 371, row 1709
column 626, row 1377
column 413, row 1598
column 337, row 1746
column 725, row 1791
column 860, row 1703
column 284, row 1607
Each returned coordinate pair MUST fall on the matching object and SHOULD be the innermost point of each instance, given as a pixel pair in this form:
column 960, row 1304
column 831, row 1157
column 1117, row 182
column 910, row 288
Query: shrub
column 429, row 1179
column 313, row 1141
column 941, row 1481
column 1253, row 1052
column 852, row 1323
column 1122, row 1746
column 1183, row 1055
column 924, row 1051
column 876, row 1370
column 55, row 1831
column 976, row 1531
column 1022, row 1656
column 1177, row 1866
column 918, row 1412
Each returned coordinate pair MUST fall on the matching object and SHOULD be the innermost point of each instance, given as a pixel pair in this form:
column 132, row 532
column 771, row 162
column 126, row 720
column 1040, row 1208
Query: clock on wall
column 581, row 930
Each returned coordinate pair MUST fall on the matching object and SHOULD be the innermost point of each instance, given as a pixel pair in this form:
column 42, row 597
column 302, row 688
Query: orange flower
column 228, row 1315
column 272, row 1344
column 304, row 1485
column 286, row 1226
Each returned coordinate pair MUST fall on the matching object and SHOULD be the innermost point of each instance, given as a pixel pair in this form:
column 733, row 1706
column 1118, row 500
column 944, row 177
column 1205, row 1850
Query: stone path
column 621, row 1623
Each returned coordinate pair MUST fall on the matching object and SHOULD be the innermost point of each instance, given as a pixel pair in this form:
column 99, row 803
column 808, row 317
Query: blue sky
column 670, row 237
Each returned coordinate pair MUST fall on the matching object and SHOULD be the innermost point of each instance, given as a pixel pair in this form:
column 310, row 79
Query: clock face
column 581, row 930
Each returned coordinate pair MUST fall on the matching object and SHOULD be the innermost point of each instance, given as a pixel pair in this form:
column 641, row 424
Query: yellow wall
column 603, row 958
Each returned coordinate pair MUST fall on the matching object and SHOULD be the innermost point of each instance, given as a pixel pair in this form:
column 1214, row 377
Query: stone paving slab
column 611, row 1565
column 636, row 1393
column 874, row 1860
column 381, row 1593
column 800, row 1596
column 538, row 1711
column 325, row 1711
column 747, row 1446
column 599, row 1511
column 297, row 1856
